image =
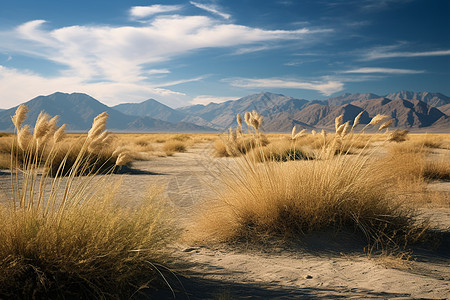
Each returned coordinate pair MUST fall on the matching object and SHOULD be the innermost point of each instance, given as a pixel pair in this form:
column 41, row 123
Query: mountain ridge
column 280, row 112
column 78, row 110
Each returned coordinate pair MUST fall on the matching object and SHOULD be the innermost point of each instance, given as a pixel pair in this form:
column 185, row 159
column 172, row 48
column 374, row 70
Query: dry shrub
column 220, row 149
column 398, row 136
column 280, row 151
column 181, row 137
column 96, row 250
column 259, row 201
column 73, row 237
column 437, row 169
column 172, row 146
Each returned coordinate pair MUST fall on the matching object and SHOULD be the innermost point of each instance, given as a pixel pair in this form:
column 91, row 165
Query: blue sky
column 190, row 52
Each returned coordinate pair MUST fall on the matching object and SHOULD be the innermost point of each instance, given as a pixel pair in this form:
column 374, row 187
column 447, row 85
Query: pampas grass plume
column 24, row 137
column 98, row 126
column 60, row 134
column 123, row 159
column 338, row 122
column 340, row 129
column 346, row 129
column 299, row 134
column 239, row 120
column 293, row 132
column 378, row 119
column 20, row 116
column 247, row 117
column 357, row 119
column 42, row 126
column 386, row 124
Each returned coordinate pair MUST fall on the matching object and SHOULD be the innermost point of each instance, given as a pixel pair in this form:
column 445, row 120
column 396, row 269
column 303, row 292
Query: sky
column 195, row 52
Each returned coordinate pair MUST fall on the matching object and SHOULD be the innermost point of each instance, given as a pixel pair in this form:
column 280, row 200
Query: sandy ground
column 321, row 266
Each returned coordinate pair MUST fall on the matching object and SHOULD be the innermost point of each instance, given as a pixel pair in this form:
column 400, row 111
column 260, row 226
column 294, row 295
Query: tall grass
column 288, row 199
column 72, row 236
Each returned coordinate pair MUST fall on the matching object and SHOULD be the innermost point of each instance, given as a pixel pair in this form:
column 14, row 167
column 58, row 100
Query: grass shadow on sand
column 194, row 286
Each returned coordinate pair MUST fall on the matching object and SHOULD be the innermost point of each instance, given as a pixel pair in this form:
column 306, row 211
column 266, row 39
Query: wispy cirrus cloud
column 146, row 11
column 212, row 9
column 324, row 87
column 390, row 52
column 369, row 70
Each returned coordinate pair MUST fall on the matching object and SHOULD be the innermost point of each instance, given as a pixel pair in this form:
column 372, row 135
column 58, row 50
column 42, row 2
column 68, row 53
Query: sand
column 325, row 265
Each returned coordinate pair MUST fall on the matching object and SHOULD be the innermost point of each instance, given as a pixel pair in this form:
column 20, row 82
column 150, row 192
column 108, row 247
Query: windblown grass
column 72, row 236
column 259, row 201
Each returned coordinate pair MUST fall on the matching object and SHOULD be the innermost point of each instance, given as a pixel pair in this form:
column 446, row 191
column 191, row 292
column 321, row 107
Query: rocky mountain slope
column 78, row 111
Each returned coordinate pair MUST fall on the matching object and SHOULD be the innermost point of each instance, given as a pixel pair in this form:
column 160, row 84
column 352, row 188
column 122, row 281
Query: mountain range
column 78, row 110
column 410, row 110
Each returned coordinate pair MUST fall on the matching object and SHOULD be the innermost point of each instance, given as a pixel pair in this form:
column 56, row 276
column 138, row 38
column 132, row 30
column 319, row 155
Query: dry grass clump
column 95, row 249
column 238, row 143
column 48, row 147
column 398, row 136
column 260, row 201
column 172, row 146
column 274, row 198
column 437, row 169
column 280, row 151
column 72, row 236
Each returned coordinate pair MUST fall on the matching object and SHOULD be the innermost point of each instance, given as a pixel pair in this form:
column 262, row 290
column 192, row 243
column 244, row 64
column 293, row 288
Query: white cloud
column 212, row 9
column 122, row 59
column 181, row 81
column 325, row 88
column 146, row 11
column 382, row 53
column 252, row 49
column 384, row 70
column 119, row 53
column 14, row 91
column 157, row 71
column 205, row 99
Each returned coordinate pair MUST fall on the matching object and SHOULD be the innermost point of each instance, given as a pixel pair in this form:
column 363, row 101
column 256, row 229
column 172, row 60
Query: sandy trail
column 322, row 266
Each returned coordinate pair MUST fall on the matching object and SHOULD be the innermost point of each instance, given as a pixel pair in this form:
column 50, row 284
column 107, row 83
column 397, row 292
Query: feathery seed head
column 42, row 126
column 247, row 117
column 60, row 134
column 323, row 133
column 357, row 119
column 300, row 134
column 123, row 159
column 340, row 129
column 338, row 122
column 239, row 120
column 293, row 132
column 255, row 120
column 232, row 134
column 98, row 125
column 313, row 132
column 24, row 137
column 20, row 116
column 378, row 119
column 386, row 124
column 97, row 143
column 346, row 129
